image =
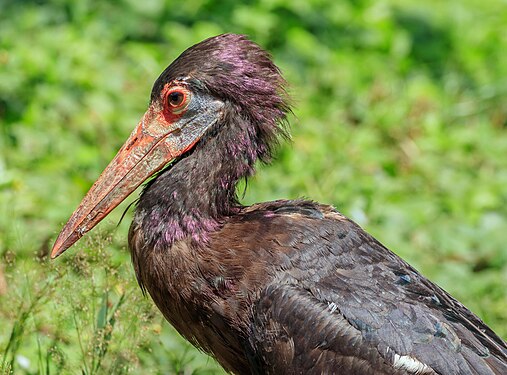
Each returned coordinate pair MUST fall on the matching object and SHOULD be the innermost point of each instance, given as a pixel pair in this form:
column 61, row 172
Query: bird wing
column 341, row 302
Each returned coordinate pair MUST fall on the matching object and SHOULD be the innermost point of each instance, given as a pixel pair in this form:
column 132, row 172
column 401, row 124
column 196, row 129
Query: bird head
column 222, row 77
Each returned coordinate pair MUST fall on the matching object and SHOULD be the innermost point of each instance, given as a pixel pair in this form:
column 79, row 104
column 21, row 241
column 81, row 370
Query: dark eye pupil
column 175, row 98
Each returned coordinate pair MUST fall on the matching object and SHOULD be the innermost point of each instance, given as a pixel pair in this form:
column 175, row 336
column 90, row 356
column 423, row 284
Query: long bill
column 155, row 141
column 142, row 155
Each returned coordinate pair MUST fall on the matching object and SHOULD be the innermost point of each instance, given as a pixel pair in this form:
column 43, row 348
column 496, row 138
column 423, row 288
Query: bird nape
column 283, row 287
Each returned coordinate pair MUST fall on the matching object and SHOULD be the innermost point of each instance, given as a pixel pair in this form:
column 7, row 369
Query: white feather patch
column 332, row 307
column 411, row 365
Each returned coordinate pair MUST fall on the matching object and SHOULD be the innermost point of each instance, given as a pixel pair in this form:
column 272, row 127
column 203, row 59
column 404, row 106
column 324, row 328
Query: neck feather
column 194, row 196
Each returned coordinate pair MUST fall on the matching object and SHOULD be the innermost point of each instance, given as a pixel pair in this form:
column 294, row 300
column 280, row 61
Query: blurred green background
column 400, row 122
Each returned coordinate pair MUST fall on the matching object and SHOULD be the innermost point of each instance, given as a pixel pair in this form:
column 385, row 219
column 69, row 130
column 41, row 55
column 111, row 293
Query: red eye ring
column 177, row 99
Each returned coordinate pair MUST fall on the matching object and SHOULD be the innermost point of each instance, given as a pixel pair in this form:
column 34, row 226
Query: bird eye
column 176, row 99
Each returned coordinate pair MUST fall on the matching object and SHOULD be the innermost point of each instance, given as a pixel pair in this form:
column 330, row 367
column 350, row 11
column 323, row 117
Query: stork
column 282, row 287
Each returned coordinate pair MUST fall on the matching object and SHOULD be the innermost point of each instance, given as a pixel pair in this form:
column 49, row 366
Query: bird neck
column 193, row 197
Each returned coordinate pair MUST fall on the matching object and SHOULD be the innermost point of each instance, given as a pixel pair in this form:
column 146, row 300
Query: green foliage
column 400, row 121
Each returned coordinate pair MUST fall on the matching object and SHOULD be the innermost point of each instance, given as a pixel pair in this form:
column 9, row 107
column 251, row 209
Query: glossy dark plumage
column 295, row 287
column 284, row 287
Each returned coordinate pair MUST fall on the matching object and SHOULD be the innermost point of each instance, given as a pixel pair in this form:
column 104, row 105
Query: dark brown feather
column 287, row 287
column 297, row 286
